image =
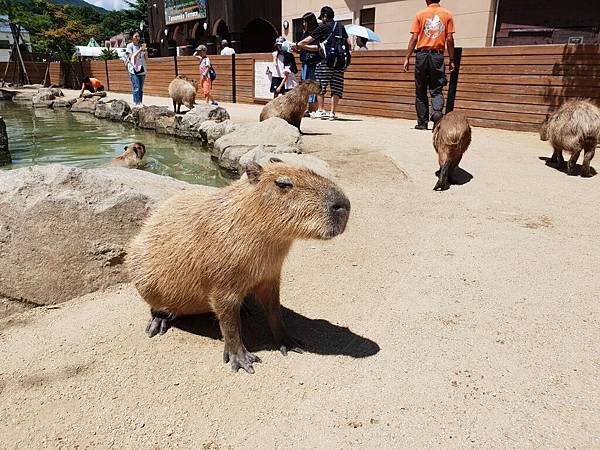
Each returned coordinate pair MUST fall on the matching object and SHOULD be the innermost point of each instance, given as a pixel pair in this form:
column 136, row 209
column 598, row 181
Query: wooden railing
column 500, row 87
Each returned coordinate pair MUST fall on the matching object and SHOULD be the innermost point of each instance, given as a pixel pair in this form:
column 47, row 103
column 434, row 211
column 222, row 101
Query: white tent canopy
column 94, row 52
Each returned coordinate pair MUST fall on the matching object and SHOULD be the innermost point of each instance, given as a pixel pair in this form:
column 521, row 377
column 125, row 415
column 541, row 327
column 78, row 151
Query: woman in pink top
column 205, row 67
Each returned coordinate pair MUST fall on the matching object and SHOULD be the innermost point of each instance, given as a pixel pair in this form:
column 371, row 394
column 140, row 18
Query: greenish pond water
column 46, row 136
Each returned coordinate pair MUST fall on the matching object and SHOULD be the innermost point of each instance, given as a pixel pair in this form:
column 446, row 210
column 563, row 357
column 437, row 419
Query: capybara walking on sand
column 291, row 106
column 451, row 138
column 183, row 91
column 131, row 157
column 201, row 253
column 573, row 127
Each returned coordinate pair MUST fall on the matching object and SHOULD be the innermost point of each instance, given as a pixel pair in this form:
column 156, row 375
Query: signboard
column 262, row 83
column 184, row 10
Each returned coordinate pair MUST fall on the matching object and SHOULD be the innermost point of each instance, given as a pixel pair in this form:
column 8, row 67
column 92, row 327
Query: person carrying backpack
column 207, row 73
column 335, row 47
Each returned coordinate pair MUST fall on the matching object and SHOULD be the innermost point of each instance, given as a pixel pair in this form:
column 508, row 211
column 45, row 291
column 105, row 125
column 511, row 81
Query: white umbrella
column 359, row 30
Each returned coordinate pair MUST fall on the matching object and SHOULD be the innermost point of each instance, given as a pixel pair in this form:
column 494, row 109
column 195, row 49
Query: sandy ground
column 468, row 318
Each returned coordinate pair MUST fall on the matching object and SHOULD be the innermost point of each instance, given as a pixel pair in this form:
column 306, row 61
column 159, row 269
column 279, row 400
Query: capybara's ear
column 275, row 160
column 125, row 148
column 254, row 171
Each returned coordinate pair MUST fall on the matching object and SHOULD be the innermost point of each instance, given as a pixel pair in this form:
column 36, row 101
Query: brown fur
column 573, row 127
column 131, row 157
column 291, row 106
column 183, row 92
column 201, row 253
column 451, row 138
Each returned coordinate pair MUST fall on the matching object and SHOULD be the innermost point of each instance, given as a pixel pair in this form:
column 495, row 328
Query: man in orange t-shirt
column 432, row 31
column 92, row 85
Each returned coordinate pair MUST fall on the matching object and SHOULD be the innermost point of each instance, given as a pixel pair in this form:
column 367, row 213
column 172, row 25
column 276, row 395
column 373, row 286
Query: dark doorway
column 222, row 31
column 258, row 37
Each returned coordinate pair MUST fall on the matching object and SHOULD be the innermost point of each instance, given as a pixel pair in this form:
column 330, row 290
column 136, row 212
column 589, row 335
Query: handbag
column 212, row 74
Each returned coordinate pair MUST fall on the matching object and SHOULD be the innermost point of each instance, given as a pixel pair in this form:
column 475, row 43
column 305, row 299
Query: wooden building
column 249, row 25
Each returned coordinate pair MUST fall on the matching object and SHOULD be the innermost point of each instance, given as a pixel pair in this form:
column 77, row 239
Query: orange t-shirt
column 96, row 84
column 432, row 25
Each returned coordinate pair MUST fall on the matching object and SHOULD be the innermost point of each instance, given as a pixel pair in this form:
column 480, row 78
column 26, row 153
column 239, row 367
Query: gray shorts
column 335, row 78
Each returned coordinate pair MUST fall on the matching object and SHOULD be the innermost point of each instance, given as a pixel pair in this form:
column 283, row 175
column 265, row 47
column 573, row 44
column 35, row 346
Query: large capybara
column 291, row 106
column 200, row 253
column 183, row 92
column 573, row 127
column 130, row 158
column 451, row 138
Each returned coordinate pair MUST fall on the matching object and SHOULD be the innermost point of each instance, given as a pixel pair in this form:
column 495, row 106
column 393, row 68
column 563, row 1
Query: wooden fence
column 500, row 87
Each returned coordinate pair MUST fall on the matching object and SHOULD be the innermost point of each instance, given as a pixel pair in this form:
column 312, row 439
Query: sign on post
column 184, row 10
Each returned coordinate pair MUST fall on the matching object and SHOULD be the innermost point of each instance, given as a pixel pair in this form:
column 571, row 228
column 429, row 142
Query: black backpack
column 334, row 50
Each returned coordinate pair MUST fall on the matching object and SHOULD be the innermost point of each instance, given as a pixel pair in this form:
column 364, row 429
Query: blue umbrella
column 359, row 30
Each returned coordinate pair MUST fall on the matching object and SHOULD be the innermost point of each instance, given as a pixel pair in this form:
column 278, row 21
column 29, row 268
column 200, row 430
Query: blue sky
column 109, row 4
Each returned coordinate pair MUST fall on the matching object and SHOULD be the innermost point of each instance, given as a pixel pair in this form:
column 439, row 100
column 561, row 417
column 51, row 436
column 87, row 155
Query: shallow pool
column 46, row 136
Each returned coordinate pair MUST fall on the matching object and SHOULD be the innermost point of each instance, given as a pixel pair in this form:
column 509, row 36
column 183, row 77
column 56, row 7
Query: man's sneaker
column 319, row 115
column 331, row 116
column 420, row 127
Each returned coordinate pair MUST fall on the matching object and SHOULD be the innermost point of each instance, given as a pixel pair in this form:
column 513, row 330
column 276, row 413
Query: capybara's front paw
column 290, row 344
column 241, row 359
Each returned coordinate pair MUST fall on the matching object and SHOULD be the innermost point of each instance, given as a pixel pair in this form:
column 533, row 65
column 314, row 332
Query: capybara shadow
column 318, row 336
column 562, row 167
column 459, row 176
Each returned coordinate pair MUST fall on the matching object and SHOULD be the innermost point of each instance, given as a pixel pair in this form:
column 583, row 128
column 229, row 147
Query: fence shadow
column 580, row 73
column 318, row 335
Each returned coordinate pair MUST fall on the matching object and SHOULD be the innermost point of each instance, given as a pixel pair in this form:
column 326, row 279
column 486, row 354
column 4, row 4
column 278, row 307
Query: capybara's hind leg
column 573, row 162
column 268, row 295
column 557, row 158
column 235, row 352
column 587, row 157
column 443, row 183
column 159, row 323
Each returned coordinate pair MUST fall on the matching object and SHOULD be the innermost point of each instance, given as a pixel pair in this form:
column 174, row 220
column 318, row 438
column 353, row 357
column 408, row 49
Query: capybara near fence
column 573, row 127
column 183, row 92
column 291, row 106
column 200, row 253
column 451, row 138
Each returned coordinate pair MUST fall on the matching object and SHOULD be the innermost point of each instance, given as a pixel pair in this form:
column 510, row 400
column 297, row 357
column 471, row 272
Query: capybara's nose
column 339, row 205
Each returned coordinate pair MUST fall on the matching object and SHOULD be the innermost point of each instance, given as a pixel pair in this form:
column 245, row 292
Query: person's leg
column 337, row 89
column 134, row 87
column 421, row 83
column 437, row 81
column 322, row 78
column 141, row 79
column 312, row 99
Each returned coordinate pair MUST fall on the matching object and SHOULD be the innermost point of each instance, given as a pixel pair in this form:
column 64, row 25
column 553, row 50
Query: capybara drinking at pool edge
column 291, row 106
column 451, row 138
column 573, row 127
column 200, row 253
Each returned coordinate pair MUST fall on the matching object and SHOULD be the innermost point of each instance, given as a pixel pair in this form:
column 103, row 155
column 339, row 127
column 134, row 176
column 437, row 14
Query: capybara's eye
column 284, row 183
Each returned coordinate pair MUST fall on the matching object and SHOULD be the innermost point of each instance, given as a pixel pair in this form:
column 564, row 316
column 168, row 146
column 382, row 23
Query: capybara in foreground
column 291, row 106
column 451, row 138
column 183, row 91
column 200, row 253
column 573, row 127
column 131, row 157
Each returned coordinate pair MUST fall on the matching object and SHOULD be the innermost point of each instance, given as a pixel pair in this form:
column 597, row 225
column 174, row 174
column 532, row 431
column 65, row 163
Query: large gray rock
column 4, row 153
column 64, row 230
column 61, row 103
column 272, row 134
column 154, row 117
column 212, row 130
column 115, row 110
column 190, row 125
column 261, row 156
column 84, row 105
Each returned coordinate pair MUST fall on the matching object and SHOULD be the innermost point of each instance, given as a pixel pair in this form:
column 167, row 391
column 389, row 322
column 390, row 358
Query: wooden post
column 175, row 59
column 107, row 78
column 233, row 82
column 16, row 33
column 454, row 80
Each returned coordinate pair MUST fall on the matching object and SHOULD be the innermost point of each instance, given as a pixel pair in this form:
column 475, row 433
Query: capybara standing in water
column 451, row 138
column 131, row 157
column 183, row 91
column 201, row 253
column 291, row 106
column 573, row 127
